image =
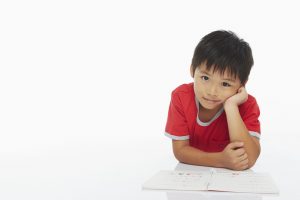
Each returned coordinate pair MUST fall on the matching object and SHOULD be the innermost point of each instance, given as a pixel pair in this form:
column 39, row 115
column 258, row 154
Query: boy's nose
column 213, row 90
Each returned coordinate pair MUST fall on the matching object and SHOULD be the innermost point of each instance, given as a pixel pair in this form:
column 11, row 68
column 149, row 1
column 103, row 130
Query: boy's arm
column 236, row 126
column 232, row 157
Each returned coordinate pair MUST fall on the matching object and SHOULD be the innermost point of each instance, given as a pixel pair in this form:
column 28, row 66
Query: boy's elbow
column 178, row 158
column 251, row 163
column 177, row 154
column 178, row 148
column 252, row 160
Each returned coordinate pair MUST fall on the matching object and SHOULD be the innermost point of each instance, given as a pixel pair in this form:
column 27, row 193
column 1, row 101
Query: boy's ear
column 192, row 71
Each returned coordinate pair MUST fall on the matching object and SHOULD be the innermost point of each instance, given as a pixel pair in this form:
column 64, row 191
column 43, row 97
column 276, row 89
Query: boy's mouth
column 211, row 100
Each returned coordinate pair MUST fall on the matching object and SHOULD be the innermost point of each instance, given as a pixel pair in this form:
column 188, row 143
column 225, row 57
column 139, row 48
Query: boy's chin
column 212, row 107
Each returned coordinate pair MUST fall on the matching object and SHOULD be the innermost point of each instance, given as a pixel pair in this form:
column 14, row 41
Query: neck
column 206, row 115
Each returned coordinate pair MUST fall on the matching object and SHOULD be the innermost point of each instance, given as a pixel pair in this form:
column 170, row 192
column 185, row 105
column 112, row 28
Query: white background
column 85, row 86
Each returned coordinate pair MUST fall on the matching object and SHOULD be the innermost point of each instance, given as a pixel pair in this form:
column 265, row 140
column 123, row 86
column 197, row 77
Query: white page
column 189, row 195
column 242, row 182
column 178, row 180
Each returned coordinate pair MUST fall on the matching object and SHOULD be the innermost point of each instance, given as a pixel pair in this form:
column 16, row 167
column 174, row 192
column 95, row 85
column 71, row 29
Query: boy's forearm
column 193, row 156
column 239, row 132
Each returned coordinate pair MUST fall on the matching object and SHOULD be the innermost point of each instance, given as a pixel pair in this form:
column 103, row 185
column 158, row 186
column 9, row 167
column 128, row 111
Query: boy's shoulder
column 187, row 88
column 184, row 95
column 250, row 105
column 251, row 99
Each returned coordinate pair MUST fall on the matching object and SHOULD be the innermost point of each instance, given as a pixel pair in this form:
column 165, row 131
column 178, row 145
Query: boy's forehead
column 215, row 70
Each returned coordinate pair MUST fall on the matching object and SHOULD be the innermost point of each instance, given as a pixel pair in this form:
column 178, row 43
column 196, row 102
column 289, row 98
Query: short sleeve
column 176, row 127
column 251, row 118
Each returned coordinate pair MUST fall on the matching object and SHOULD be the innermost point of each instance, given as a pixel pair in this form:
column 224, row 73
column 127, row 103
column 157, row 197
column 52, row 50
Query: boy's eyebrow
column 204, row 72
column 229, row 79
column 225, row 79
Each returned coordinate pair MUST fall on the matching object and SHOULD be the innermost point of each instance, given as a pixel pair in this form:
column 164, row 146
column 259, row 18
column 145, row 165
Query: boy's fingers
column 243, row 157
column 242, row 89
column 244, row 167
column 240, row 152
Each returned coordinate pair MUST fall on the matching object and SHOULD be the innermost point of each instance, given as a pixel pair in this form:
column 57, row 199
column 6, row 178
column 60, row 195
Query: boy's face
column 212, row 89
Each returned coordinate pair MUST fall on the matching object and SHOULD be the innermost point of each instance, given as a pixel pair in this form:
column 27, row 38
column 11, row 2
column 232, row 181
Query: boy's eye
column 226, row 84
column 205, row 78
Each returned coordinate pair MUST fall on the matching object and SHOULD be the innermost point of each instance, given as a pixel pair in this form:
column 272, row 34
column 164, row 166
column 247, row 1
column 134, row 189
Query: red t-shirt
column 213, row 136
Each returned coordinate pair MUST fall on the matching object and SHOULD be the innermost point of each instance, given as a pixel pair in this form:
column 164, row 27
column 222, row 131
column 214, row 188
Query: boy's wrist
column 230, row 106
column 217, row 157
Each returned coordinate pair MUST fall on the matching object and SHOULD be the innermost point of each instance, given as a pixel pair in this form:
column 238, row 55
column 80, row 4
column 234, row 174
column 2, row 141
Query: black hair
column 223, row 50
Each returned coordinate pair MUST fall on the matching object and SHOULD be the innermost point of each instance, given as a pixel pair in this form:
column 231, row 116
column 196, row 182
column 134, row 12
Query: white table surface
column 96, row 171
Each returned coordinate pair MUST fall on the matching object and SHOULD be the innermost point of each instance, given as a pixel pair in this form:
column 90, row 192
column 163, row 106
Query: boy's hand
column 234, row 156
column 240, row 97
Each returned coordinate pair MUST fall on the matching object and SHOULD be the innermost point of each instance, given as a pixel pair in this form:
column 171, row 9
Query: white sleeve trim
column 173, row 137
column 186, row 137
column 254, row 134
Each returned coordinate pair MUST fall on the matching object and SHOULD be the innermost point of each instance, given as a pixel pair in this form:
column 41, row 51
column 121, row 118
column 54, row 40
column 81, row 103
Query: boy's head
column 221, row 65
column 222, row 51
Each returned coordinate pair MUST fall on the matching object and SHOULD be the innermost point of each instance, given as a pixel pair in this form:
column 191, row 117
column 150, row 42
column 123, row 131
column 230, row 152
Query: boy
column 213, row 121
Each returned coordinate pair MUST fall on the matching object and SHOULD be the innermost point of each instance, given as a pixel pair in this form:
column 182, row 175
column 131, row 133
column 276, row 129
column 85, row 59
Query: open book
column 230, row 181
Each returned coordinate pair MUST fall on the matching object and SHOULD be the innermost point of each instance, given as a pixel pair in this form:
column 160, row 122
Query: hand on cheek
column 237, row 99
